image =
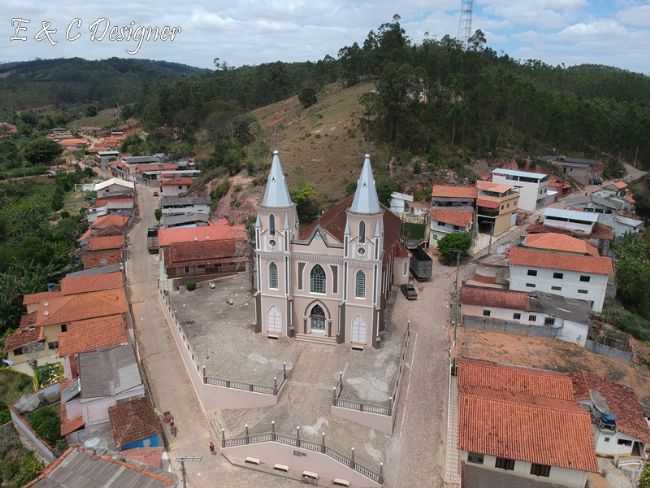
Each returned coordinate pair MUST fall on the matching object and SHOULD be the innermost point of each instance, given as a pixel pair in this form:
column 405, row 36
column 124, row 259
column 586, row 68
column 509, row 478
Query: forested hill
column 434, row 95
column 32, row 84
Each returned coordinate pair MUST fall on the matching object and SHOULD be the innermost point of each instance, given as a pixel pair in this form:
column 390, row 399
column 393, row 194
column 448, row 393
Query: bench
column 281, row 467
column 252, row 460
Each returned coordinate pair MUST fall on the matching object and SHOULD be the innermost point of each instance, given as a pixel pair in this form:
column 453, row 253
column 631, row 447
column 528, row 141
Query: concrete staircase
column 316, row 339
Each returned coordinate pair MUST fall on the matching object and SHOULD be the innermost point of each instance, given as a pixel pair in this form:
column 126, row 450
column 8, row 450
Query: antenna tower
column 465, row 21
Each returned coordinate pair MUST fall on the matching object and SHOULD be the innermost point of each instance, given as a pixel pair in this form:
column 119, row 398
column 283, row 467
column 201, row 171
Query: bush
column 307, row 97
column 46, row 423
column 451, row 244
column 4, row 415
column 627, row 321
column 307, row 206
column 191, row 286
column 644, row 481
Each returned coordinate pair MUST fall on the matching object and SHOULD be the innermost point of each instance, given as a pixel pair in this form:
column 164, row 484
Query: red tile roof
column 620, row 184
column 176, row 181
column 167, row 237
column 22, row 337
column 132, row 421
column 105, row 243
column 554, row 241
column 71, row 308
column 71, row 285
column 487, row 203
column 600, row 231
column 454, row 216
column 33, row 298
column 119, row 221
column 454, row 191
column 493, row 187
column 100, row 202
column 185, row 252
column 523, row 414
column 521, row 256
column 94, row 259
column 92, row 335
column 493, row 297
column 621, row 400
column 151, row 456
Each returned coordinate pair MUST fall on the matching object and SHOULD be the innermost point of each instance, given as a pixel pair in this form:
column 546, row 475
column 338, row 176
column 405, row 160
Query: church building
column 327, row 281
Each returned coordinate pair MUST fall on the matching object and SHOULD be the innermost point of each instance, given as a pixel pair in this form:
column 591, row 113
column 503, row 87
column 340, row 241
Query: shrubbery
column 450, row 245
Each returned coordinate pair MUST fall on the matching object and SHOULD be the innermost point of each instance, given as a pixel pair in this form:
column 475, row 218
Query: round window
column 361, row 250
column 271, row 243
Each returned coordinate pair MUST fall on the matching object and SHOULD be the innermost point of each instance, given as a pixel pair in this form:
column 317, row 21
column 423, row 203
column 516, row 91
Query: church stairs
column 315, row 339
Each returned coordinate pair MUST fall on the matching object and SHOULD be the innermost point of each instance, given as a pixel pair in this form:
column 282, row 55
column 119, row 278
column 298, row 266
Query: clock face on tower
column 361, row 251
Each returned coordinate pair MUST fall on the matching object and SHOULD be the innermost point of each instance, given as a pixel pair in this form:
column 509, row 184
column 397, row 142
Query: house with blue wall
column 134, row 424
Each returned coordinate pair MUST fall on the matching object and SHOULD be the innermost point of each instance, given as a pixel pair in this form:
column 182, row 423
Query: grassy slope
column 322, row 144
column 13, row 385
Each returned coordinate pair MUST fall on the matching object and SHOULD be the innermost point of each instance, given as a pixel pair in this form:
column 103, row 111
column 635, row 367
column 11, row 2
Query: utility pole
column 456, row 297
column 182, row 461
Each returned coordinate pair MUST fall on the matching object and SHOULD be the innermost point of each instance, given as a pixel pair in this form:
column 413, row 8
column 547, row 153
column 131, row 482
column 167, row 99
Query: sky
column 612, row 32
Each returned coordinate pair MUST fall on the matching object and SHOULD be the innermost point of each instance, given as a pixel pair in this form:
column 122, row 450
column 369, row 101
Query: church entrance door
column 359, row 331
column 274, row 326
column 317, row 320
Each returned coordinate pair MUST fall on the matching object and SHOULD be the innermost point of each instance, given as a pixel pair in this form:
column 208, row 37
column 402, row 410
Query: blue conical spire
column 366, row 200
column 276, row 193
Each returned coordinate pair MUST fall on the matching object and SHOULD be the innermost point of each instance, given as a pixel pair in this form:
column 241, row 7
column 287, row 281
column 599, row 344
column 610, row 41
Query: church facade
column 329, row 280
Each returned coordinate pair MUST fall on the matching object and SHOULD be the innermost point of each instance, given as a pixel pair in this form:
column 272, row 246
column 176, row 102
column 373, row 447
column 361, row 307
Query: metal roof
column 525, row 174
column 114, row 181
column 628, row 221
column 571, row 214
column 182, row 219
column 276, row 194
column 167, row 201
column 366, row 200
column 107, row 373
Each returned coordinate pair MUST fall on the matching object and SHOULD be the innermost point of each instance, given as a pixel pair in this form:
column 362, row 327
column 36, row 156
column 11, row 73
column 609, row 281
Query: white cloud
column 638, row 16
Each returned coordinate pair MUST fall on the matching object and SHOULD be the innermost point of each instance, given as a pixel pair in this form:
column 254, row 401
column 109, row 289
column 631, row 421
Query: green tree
column 454, row 243
column 307, row 97
column 308, row 208
column 91, row 111
column 42, row 151
column 644, row 480
column 158, row 214
column 385, row 187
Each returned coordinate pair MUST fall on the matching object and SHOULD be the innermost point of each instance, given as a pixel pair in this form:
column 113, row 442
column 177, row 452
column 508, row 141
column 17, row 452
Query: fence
column 216, row 381
column 606, row 350
column 388, row 409
column 297, row 441
column 44, row 451
column 497, row 325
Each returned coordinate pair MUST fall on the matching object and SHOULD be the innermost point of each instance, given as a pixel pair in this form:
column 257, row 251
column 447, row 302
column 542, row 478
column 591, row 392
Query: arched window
column 362, row 231
column 360, row 285
column 272, row 224
column 273, row 276
column 317, row 280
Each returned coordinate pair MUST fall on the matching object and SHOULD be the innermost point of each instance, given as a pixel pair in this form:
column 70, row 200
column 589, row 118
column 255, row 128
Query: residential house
column 620, row 426
column 532, row 187
column 106, row 377
column 119, row 205
column 106, row 225
column 73, row 143
column 330, row 280
column 453, row 196
column 583, row 171
column 49, row 314
column 104, row 250
column 201, row 253
column 174, row 187
column 533, row 314
column 400, row 203
column 114, row 186
column 145, row 159
column 606, row 203
column 80, row 467
column 185, row 220
column 446, row 220
column 184, row 205
column 523, row 422
column 626, row 225
column 135, row 424
column 561, row 265
column 496, row 207
column 103, row 158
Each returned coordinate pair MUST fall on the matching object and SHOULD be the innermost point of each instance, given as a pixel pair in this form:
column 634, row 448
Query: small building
column 446, row 220
column 104, row 250
column 453, row 196
column 532, row 314
column 80, row 467
column 496, row 207
column 114, row 186
column 106, row 225
column 570, row 220
column 532, row 187
column 584, row 171
column 626, row 225
column 184, row 205
column 607, row 204
column 103, row 158
column 400, row 203
column 620, row 426
column 560, row 265
column 106, row 377
column 174, row 187
column 185, row 220
column 574, row 225
column 145, row 159
column 134, row 424
column 523, row 422
column 120, row 205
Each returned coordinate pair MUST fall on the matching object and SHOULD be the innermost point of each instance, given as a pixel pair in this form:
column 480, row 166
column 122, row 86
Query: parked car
column 409, row 291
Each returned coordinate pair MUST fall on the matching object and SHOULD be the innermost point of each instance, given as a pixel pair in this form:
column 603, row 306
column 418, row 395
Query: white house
column 174, row 187
column 523, row 422
column 532, row 187
column 620, row 425
column 446, row 220
column 570, row 220
column 400, row 203
column 560, row 265
column 105, row 377
column 626, row 225
column 114, row 186
column 537, row 314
